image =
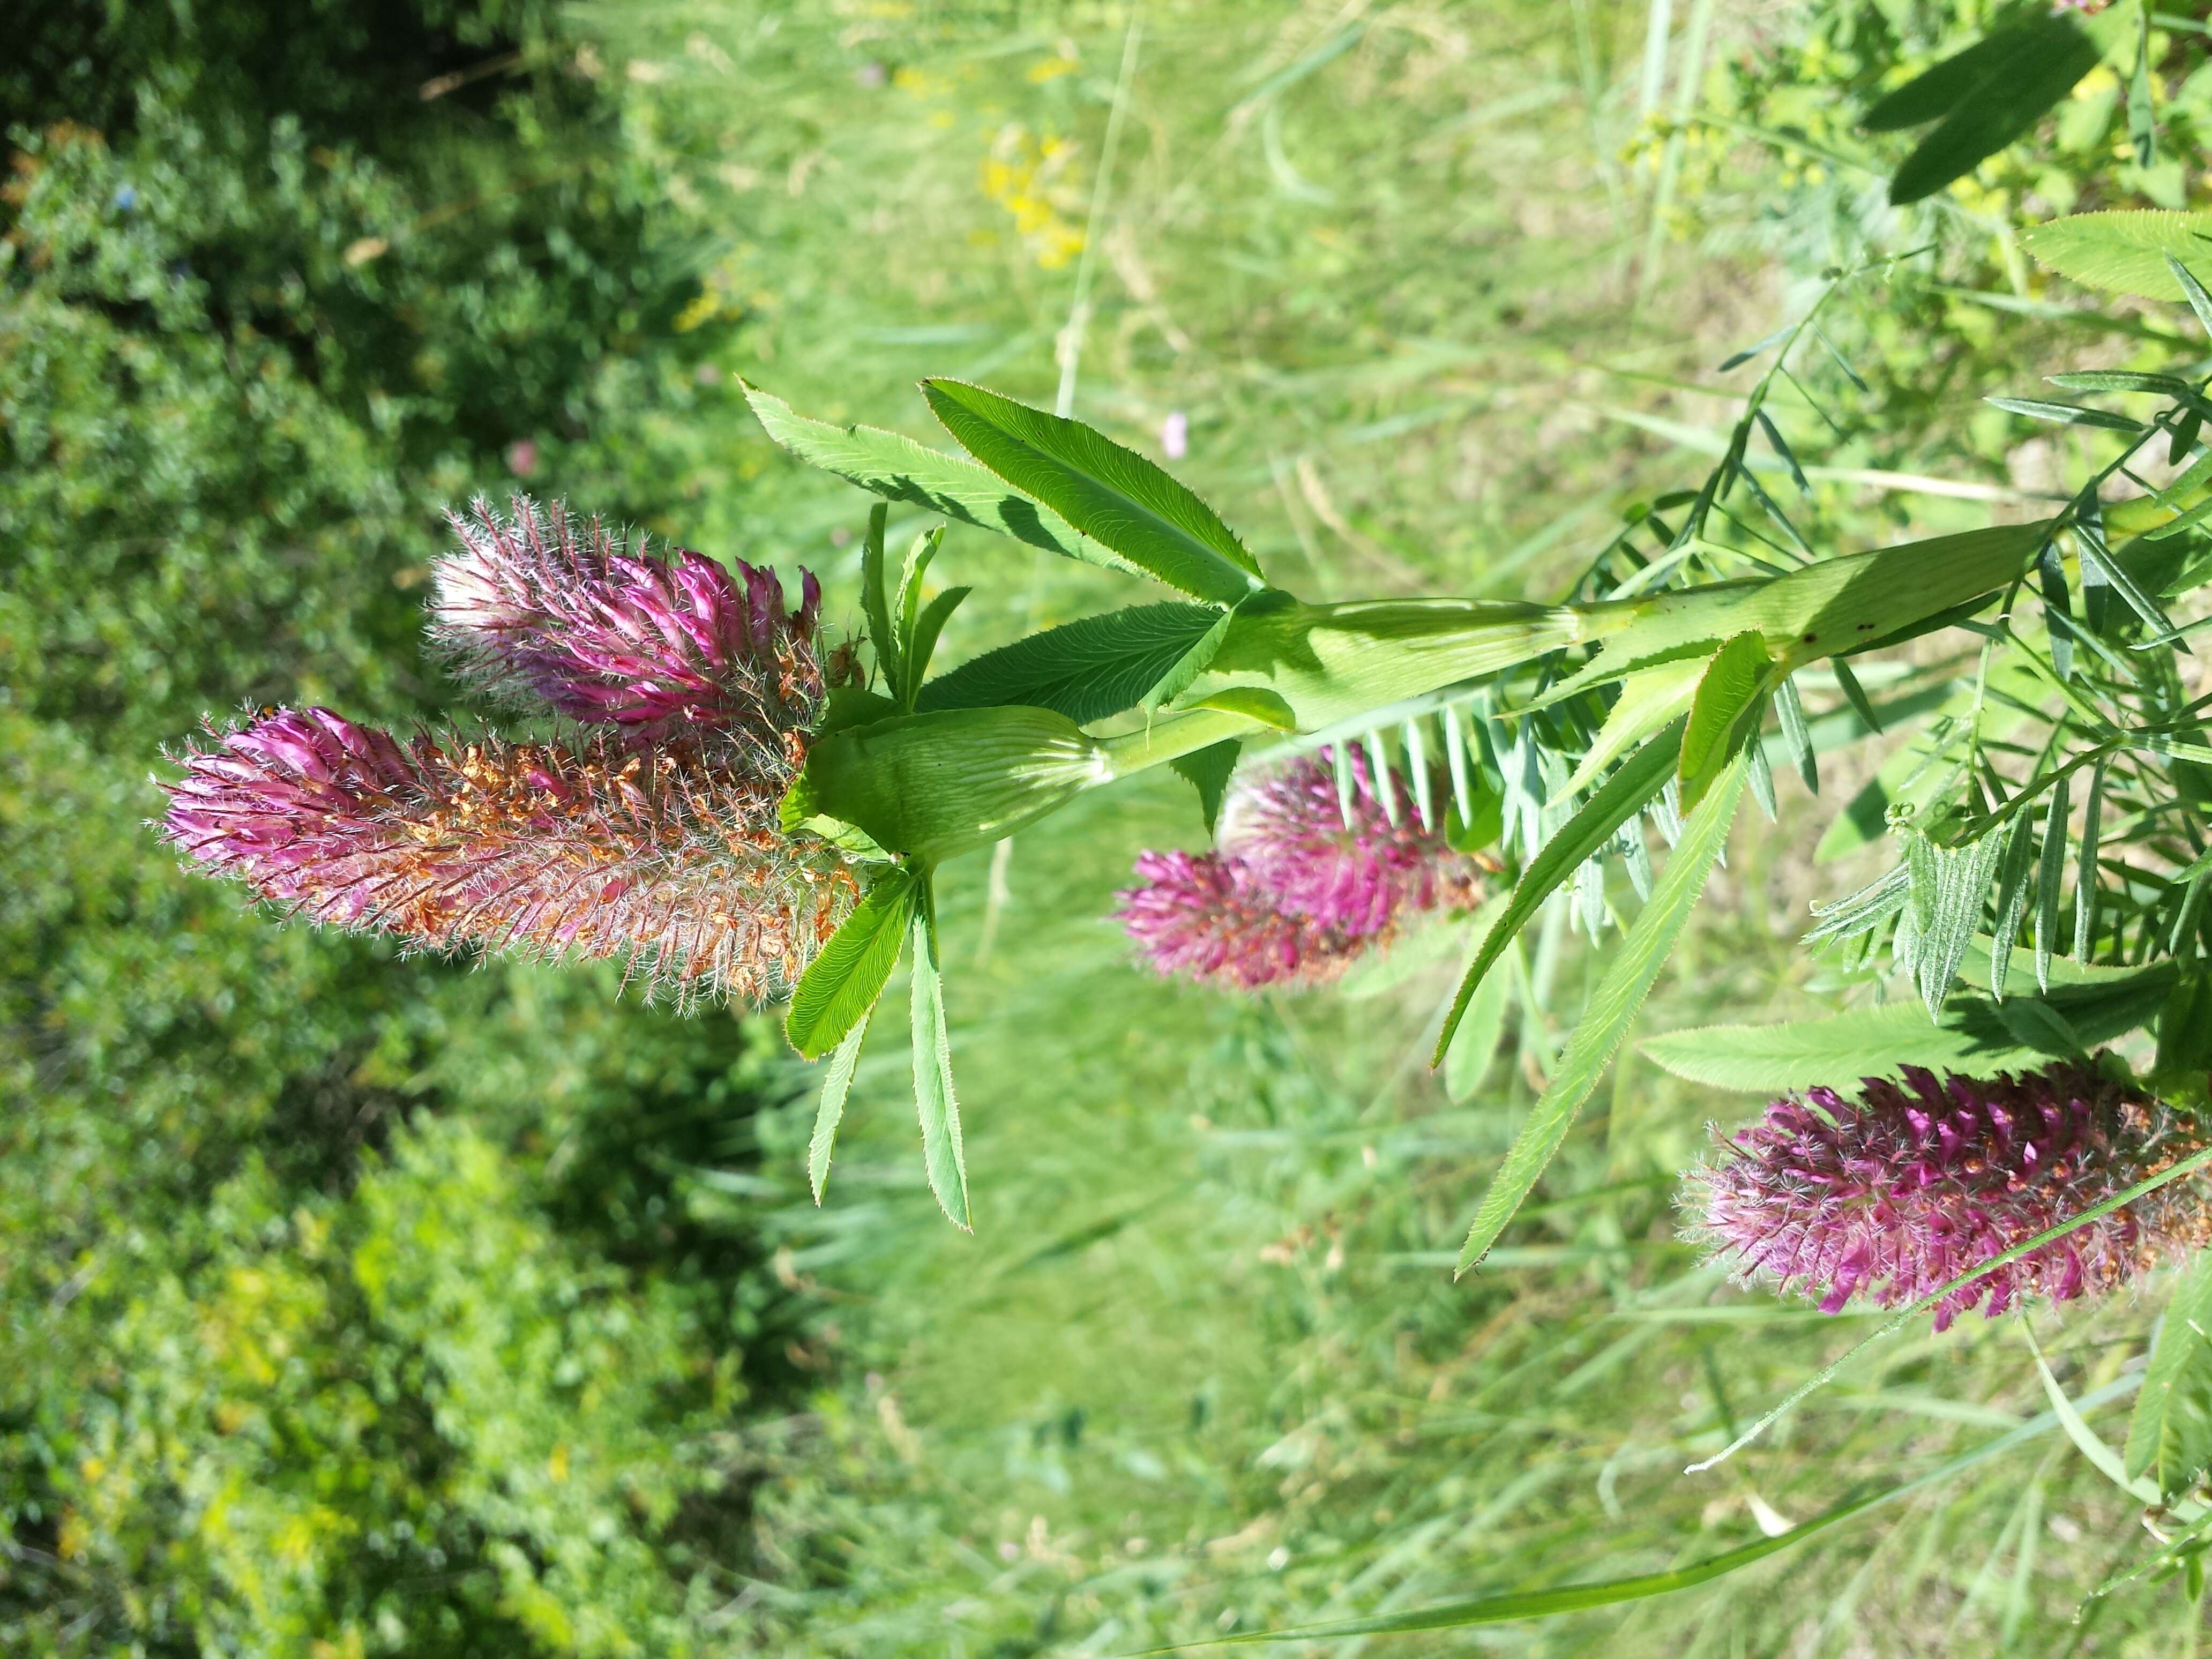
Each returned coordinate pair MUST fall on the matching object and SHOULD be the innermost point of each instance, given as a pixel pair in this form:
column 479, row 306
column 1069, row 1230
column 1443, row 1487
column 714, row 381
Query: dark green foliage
column 347, row 1299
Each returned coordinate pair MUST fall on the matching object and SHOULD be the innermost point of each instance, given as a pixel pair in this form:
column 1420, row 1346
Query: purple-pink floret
column 570, row 613
column 1892, row 1196
column 1294, row 894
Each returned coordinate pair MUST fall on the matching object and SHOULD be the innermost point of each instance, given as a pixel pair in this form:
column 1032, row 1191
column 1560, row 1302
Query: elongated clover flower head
column 568, row 612
column 584, row 848
column 1294, row 894
column 651, row 834
column 1890, row 1195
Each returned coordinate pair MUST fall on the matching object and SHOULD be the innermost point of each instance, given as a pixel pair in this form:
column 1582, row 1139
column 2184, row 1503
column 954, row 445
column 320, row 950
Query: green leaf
column 903, row 470
column 921, row 644
column 1997, row 89
column 2185, row 1032
column 837, row 1084
column 906, row 607
column 2123, row 252
column 1612, row 1007
column 2085, row 877
column 1474, row 1044
column 1973, row 1036
column 2191, row 290
column 2121, row 379
column 1796, row 736
column 2170, row 1437
column 1112, row 495
column 2012, row 899
column 842, row 983
column 2071, row 414
column 876, row 606
column 1735, row 680
column 1650, row 699
column 1620, row 799
column 1084, row 670
column 1948, row 887
column 1189, row 666
column 2049, row 880
column 1207, row 770
column 940, row 1109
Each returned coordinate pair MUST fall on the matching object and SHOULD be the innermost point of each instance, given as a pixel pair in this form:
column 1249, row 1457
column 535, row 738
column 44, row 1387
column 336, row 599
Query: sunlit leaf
column 1620, row 799
column 1208, row 771
column 842, row 983
column 1629, row 975
column 2170, row 1437
column 940, row 1109
column 903, row 470
column 1085, row 670
column 1736, row 679
column 2124, row 251
column 837, row 1084
column 1112, row 495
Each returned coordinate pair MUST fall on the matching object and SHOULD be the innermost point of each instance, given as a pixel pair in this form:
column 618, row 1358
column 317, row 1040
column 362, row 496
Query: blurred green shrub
column 348, row 1305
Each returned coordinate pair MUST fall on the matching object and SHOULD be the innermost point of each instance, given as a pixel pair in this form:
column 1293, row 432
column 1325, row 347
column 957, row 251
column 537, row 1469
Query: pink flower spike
column 589, row 849
column 1894, row 1194
column 570, row 613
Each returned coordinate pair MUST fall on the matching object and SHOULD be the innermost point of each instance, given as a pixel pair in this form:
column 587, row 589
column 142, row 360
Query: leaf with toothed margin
column 1111, row 494
column 1207, row 770
column 940, row 1109
column 1632, row 971
column 837, row 1084
column 843, row 981
column 1086, row 670
column 901, row 470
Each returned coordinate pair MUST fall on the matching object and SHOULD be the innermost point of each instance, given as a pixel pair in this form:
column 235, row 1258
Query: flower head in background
column 652, row 834
column 1294, row 894
column 568, row 613
column 1890, row 1195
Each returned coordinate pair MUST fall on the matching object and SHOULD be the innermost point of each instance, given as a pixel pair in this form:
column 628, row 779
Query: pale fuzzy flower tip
column 1356, row 878
column 584, row 849
column 1294, row 895
column 1889, row 1196
column 570, row 613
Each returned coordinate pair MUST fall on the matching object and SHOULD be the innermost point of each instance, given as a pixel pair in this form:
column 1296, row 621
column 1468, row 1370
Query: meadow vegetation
column 359, row 1303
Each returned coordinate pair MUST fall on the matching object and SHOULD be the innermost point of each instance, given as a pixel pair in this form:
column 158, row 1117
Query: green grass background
column 357, row 1304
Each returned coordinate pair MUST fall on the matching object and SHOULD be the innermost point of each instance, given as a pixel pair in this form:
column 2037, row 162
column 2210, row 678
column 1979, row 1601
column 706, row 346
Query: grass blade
column 1612, row 1008
column 1620, row 799
column 939, row 1107
column 1570, row 1598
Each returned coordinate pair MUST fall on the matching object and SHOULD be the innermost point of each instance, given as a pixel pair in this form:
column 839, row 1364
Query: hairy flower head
column 1892, row 1195
column 587, row 848
column 570, row 612
column 1294, row 894
column 1357, row 877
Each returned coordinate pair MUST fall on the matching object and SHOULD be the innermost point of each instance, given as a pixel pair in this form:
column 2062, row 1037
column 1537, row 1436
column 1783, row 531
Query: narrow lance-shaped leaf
column 1618, row 800
column 2085, row 880
column 1735, row 678
column 2170, row 1438
column 2050, row 881
column 1796, row 736
column 940, row 1109
column 876, row 606
column 1949, row 884
column 902, row 470
column 1112, row 495
column 837, row 1084
column 1612, row 1007
column 2011, row 79
column 2012, row 897
column 842, row 983
column 921, row 644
